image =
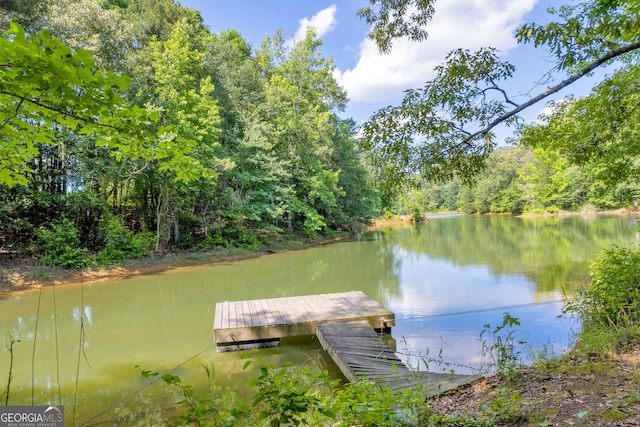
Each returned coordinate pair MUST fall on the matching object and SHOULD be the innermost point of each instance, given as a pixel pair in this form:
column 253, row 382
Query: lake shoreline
column 405, row 220
column 19, row 275
column 22, row 275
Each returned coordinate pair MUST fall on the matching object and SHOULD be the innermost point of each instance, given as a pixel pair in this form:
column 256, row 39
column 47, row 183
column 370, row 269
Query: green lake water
column 79, row 344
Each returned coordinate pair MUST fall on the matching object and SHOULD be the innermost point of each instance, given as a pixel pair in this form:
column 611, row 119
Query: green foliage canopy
column 182, row 96
column 169, row 128
column 391, row 19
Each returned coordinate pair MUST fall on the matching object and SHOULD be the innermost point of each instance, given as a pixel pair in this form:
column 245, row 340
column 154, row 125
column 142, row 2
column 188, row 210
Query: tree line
column 519, row 179
column 194, row 138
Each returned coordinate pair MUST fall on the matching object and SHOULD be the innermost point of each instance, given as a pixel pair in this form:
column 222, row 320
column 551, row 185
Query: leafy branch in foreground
column 294, row 395
column 203, row 409
column 46, row 86
column 599, row 130
column 286, row 398
column 423, row 134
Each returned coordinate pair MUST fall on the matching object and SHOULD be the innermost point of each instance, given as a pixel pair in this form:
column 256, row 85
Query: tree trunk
column 176, row 229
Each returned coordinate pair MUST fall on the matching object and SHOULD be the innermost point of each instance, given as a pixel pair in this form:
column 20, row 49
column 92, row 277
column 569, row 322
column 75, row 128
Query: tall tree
column 600, row 128
column 301, row 97
column 250, row 194
column 357, row 200
column 545, row 179
column 156, row 18
column 22, row 12
column 187, row 136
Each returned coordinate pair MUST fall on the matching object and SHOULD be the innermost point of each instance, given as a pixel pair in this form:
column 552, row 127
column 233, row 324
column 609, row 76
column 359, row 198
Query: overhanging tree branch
column 60, row 111
column 503, row 92
column 576, row 76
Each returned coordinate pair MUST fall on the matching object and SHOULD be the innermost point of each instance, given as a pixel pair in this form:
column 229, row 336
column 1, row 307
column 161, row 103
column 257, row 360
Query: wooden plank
column 239, row 315
column 233, row 319
column 247, row 316
column 257, row 317
column 333, row 337
column 309, row 308
column 217, row 322
column 345, row 319
column 226, row 315
column 268, row 315
column 363, row 303
column 297, row 312
column 240, row 323
column 289, row 316
column 370, row 358
column 275, row 312
column 337, row 310
column 286, row 309
column 317, row 303
column 328, row 308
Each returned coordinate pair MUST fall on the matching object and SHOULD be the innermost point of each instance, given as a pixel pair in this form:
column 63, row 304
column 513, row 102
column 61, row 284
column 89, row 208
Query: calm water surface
column 444, row 280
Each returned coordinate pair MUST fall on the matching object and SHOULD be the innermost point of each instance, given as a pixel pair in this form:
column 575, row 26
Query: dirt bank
column 19, row 273
column 599, row 390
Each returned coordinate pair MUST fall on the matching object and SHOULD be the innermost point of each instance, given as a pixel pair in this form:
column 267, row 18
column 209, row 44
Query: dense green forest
column 227, row 144
column 128, row 125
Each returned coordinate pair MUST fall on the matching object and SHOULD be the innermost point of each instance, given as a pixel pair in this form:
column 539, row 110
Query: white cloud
column 467, row 24
column 323, row 22
column 549, row 109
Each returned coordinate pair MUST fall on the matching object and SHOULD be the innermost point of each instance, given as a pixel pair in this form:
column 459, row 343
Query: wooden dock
column 345, row 324
column 360, row 353
column 239, row 325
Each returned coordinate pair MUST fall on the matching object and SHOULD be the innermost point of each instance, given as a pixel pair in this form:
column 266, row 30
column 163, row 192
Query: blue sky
column 373, row 80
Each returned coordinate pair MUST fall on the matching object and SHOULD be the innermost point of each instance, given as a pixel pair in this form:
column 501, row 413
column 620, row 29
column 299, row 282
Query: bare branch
column 503, row 92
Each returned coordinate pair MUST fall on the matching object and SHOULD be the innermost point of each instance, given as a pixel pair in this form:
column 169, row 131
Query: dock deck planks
column 238, row 324
column 344, row 324
column 360, row 353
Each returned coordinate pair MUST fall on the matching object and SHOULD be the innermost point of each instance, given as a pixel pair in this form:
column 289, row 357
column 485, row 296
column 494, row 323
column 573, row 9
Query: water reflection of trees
column 371, row 268
column 347, row 265
column 552, row 252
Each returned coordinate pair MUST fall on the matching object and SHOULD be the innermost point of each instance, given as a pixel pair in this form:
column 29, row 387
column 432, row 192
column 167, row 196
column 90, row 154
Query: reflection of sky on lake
column 436, row 286
column 442, row 308
column 458, row 336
